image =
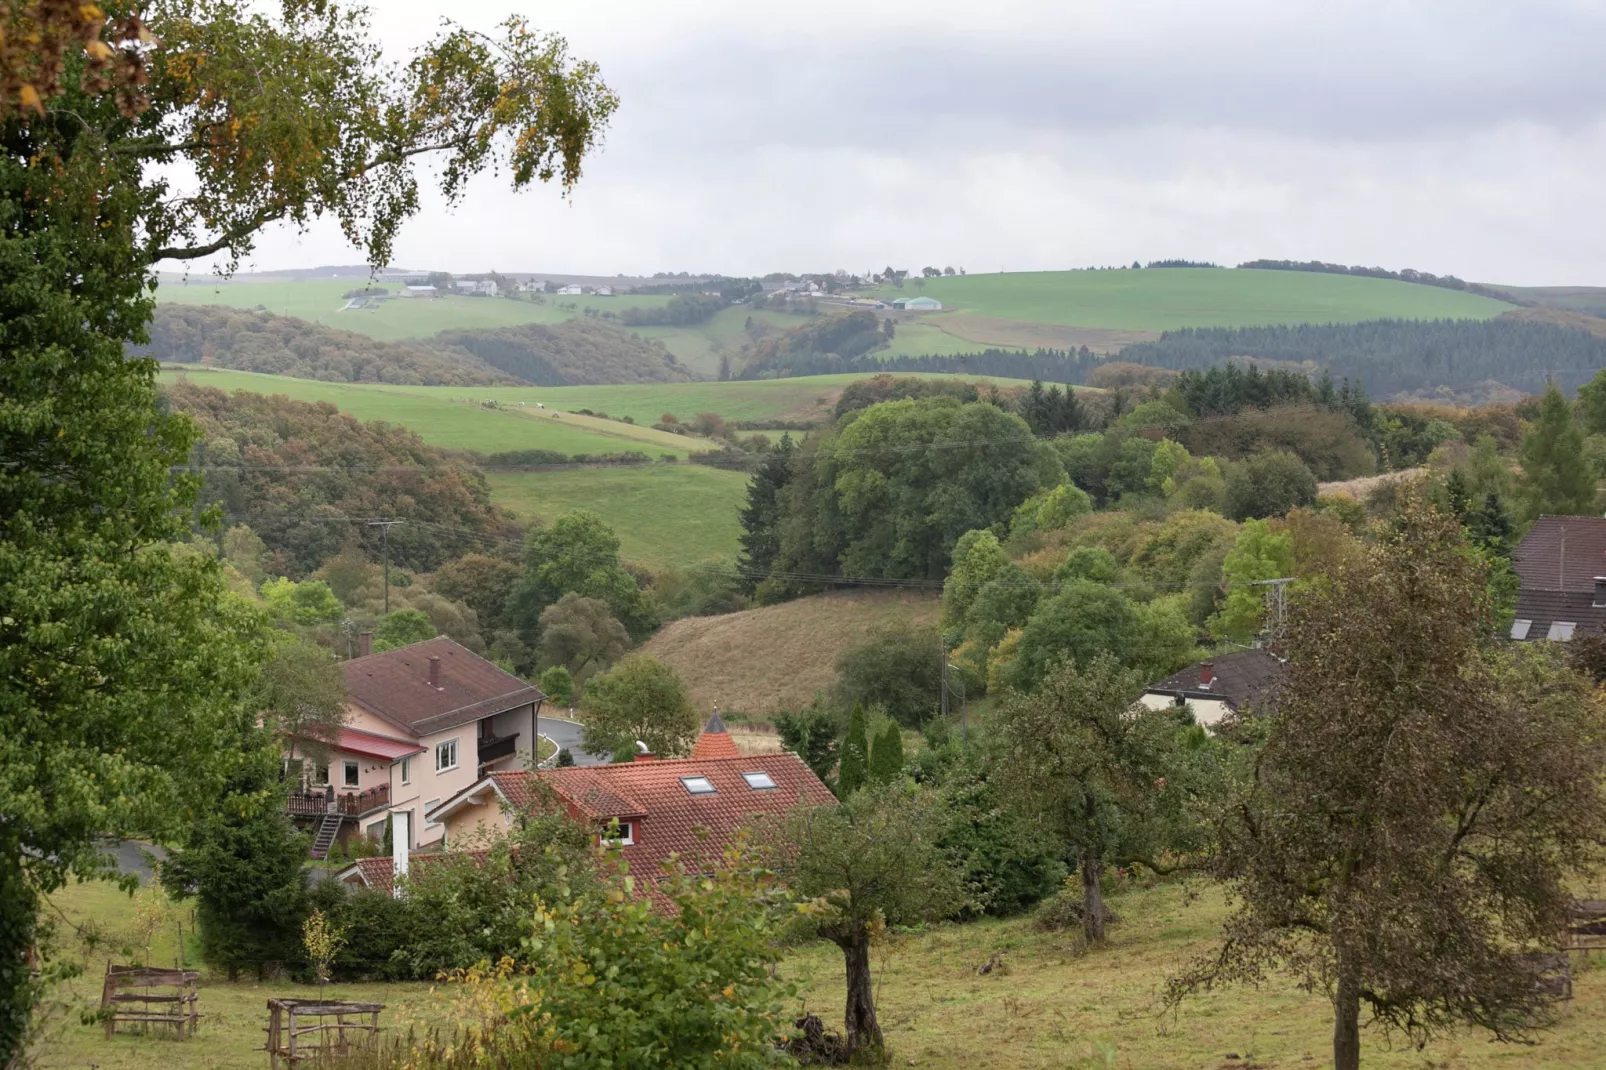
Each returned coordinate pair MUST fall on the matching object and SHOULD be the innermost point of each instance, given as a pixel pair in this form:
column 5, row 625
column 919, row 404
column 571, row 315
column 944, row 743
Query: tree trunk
column 1347, row 1024
column 1093, row 900
column 17, row 916
column 859, row 1026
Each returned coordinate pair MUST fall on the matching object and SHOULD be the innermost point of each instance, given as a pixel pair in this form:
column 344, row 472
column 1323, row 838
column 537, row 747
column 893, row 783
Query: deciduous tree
column 580, row 633
column 1556, row 477
column 639, row 699
column 300, row 695
column 1406, row 838
column 403, row 627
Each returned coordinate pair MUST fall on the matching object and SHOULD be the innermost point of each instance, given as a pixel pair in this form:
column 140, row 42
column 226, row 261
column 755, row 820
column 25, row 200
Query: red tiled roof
column 356, row 741
column 394, row 685
column 667, row 817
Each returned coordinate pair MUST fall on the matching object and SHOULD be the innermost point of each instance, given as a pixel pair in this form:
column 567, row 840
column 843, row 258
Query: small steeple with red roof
column 716, row 741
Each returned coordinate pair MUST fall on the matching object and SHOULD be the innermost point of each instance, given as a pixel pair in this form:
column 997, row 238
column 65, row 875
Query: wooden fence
column 175, row 1005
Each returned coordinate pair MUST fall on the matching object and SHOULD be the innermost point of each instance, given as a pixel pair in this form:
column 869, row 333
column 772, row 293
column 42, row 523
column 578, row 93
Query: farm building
column 917, row 304
column 422, row 291
column 477, row 287
column 572, row 290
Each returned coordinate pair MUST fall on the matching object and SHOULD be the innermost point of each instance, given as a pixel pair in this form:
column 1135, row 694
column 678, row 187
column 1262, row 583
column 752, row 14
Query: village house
column 423, row 722
column 654, row 807
column 1228, row 684
column 1561, row 569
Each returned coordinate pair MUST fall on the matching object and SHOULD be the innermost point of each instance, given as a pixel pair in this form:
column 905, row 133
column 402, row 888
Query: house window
column 407, row 771
column 623, row 834
column 352, row 777
column 321, row 775
column 446, row 756
column 698, row 785
column 375, row 831
column 1519, row 628
column 1561, row 631
column 759, row 781
column 429, row 808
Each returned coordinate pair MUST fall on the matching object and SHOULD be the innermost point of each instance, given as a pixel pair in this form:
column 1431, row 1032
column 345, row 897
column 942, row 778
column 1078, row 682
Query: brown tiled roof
column 1557, row 562
column 394, row 685
column 1244, row 679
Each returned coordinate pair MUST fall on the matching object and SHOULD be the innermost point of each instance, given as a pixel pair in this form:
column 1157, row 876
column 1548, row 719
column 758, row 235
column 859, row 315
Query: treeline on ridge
column 305, row 476
column 1421, row 278
column 573, row 353
column 247, row 341
column 1395, row 356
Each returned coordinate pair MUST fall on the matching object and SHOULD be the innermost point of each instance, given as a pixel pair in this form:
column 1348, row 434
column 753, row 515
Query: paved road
column 567, row 734
column 134, row 857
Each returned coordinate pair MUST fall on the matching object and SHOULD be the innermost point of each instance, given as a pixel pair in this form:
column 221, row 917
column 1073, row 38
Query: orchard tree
column 124, row 144
column 1408, row 835
column 1105, row 776
column 870, row 862
column 639, row 699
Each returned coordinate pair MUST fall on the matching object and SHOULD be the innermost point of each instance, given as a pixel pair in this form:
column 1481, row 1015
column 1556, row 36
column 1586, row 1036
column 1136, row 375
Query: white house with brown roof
column 689, row 807
column 1228, row 684
column 423, row 722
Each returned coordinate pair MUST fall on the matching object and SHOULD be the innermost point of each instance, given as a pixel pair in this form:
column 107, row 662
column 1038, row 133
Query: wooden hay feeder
column 302, row 1029
column 174, row 1005
column 1586, row 928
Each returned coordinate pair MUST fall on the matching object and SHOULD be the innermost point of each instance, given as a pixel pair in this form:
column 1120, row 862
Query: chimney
column 1207, row 673
column 365, row 644
column 435, row 671
column 1600, row 591
column 643, row 754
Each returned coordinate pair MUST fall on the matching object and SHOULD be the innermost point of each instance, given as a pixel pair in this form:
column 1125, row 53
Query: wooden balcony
column 347, row 804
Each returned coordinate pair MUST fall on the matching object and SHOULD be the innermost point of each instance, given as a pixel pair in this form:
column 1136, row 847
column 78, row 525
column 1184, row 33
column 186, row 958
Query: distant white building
column 422, row 291
column 478, row 287
column 571, row 290
column 603, row 291
column 917, row 304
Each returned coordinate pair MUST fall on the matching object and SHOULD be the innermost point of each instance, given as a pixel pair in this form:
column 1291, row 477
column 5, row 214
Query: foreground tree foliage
column 1405, row 839
column 120, row 660
column 639, row 700
column 870, row 862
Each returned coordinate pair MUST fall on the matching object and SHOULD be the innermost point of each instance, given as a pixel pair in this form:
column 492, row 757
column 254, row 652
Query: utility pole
column 1279, row 603
column 384, row 526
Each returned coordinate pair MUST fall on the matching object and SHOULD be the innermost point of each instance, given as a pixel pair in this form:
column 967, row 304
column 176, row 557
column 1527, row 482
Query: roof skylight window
column 697, row 785
column 759, row 781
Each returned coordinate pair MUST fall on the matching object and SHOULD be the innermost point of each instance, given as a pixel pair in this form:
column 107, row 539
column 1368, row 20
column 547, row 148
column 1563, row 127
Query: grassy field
column 1165, row 299
column 777, row 657
column 663, row 514
column 1048, row 1007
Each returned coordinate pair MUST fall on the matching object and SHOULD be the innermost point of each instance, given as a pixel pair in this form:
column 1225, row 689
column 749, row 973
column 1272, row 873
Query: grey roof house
column 1561, row 564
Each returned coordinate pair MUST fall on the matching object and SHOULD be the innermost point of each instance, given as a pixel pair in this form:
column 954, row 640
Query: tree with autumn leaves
column 122, row 659
column 1404, row 839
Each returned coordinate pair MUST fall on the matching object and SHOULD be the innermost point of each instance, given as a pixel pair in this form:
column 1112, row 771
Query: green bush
column 897, row 667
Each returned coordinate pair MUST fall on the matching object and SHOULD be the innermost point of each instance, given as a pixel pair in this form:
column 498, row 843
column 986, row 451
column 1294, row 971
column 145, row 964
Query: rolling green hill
column 1158, row 299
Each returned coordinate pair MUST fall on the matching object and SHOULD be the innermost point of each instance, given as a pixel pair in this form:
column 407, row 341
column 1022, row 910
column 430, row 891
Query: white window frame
column 350, row 774
column 626, row 837
column 407, row 770
column 751, row 773
column 439, row 768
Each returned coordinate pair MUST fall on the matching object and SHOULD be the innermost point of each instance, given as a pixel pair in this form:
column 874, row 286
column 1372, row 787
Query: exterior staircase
column 324, row 839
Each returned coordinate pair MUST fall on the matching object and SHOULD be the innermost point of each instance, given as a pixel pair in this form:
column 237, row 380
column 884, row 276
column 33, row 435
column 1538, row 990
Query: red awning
column 369, row 745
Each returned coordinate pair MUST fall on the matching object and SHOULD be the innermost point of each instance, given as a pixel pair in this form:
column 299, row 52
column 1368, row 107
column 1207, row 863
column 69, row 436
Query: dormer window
column 697, row 785
column 759, row 781
column 618, row 834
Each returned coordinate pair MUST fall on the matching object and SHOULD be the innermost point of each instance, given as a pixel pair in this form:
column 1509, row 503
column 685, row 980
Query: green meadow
column 1163, row 299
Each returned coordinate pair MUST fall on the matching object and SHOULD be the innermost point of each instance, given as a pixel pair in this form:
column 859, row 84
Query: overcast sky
column 1456, row 136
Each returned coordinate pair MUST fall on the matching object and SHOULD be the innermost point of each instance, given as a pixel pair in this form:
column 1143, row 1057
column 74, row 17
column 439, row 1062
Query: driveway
column 566, row 734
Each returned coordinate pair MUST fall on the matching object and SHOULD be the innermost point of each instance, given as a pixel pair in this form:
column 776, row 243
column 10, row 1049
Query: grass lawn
column 663, row 514
column 1049, row 1006
column 1169, row 298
